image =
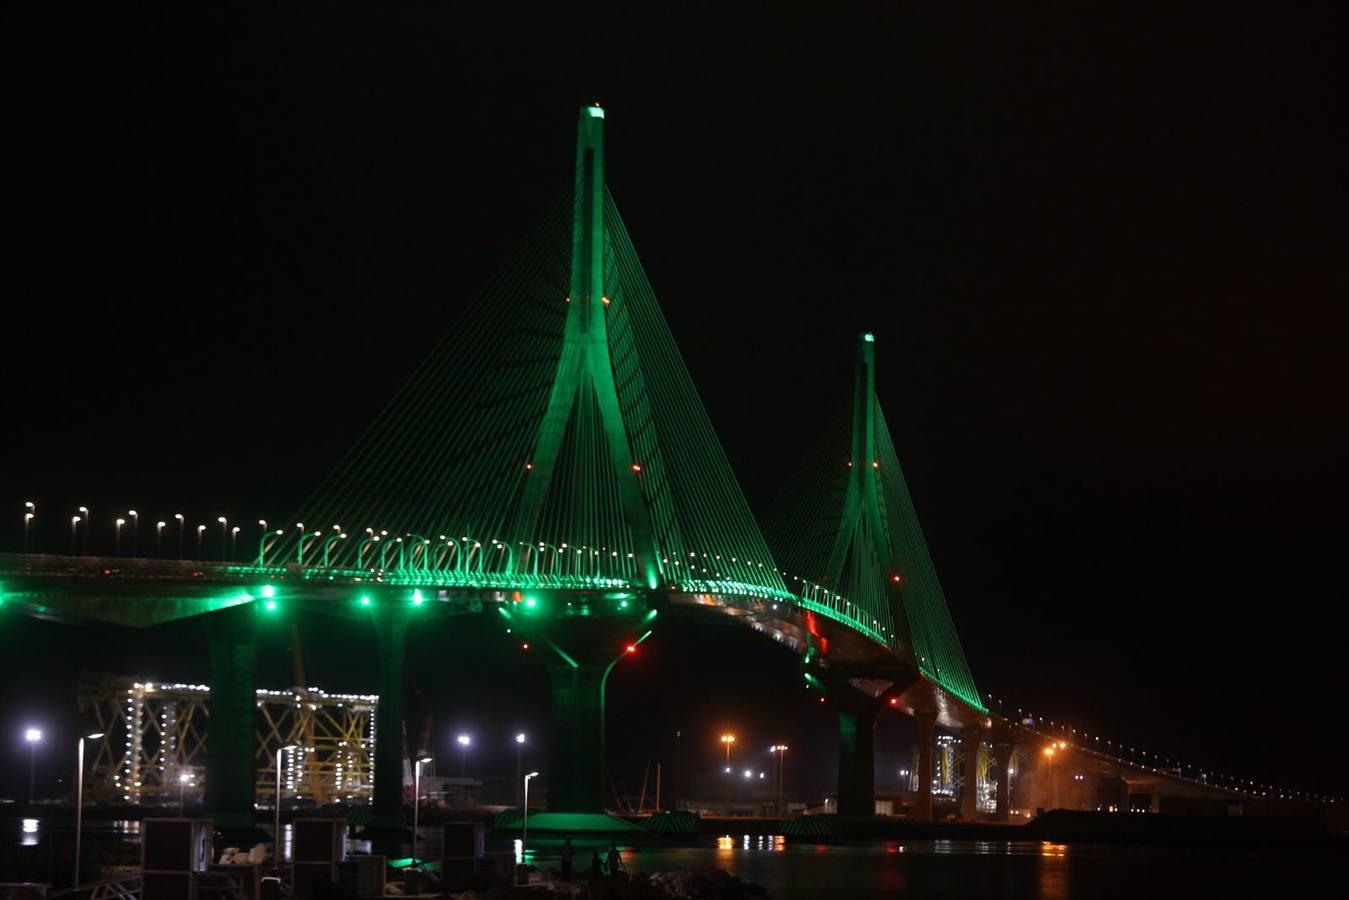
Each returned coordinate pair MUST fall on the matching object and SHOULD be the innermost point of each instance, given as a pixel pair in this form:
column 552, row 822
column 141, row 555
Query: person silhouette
column 567, row 853
column 596, row 866
column 615, row 859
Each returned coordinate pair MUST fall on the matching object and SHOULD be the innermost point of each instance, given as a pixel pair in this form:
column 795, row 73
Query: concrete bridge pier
column 971, row 739
column 584, row 654
column 391, row 625
column 927, row 722
column 230, row 758
column 576, row 758
column 1002, row 756
column 857, row 754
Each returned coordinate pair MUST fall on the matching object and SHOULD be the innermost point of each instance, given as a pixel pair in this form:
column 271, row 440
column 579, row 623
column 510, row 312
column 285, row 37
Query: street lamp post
column 32, row 736
column 781, row 751
column 201, row 529
column 464, row 742
column 417, row 805
column 224, row 535
column 74, row 526
column 276, row 824
column 1049, row 755
column 524, row 822
column 179, row 518
column 29, row 512
column 727, row 740
column 79, row 800
column 519, row 756
column 117, row 540
column 159, row 539
column 234, row 540
column 88, row 523
column 135, row 528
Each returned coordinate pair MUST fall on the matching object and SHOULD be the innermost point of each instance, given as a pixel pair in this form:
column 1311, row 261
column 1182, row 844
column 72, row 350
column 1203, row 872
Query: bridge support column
column 232, row 708
column 576, row 758
column 857, row 759
column 1002, row 755
column 970, row 741
column 391, row 625
column 927, row 721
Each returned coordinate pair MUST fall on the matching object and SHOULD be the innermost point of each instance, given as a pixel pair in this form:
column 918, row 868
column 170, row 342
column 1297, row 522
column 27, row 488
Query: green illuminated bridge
column 551, row 462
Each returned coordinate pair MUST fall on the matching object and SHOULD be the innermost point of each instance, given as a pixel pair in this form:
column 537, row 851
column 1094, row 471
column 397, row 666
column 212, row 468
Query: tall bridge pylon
column 553, row 439
column 552, row 450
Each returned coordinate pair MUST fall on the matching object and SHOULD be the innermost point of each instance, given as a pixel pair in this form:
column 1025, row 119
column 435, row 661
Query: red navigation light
column 525, row 645
column 894, row 701
column 636, row 467
column 896, row 578
column 632, row 648
column 529, row 466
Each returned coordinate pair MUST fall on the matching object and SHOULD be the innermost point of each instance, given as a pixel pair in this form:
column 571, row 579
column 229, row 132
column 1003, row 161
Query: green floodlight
column 417, row 598
column 268, row 592
column 365, row 600
column 271, row 605
column 869, row 338
column 531, row 602
column 596, row 111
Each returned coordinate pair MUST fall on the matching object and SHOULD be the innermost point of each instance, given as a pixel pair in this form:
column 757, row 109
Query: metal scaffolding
column 153, row 749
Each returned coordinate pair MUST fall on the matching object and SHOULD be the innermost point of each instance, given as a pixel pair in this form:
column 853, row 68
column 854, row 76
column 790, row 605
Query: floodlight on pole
column 79, row 800
column 276, row 825
column 524, row 822
column 464, row 741
column 519, row 756
column 417, row 804
column 33, row 736
column 781, row 751
column 727, row 740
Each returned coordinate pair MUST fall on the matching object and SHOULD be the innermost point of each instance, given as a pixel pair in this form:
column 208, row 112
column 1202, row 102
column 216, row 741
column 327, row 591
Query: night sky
column 1102, row 251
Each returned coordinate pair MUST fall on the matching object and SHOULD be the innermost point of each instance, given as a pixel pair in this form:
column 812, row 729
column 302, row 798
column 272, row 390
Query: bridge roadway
column 859, row 675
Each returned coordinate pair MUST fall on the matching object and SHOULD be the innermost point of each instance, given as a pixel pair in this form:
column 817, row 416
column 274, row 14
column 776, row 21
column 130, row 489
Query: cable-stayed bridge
column 551, row 463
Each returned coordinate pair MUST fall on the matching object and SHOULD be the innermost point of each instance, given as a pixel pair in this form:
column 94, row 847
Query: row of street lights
column 83, row 519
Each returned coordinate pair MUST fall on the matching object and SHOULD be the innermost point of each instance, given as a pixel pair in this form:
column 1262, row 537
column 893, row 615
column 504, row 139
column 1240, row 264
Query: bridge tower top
column 585, row 369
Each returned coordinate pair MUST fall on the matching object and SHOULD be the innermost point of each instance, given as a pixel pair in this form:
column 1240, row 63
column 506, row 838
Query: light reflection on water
column 1021, row 870
column 30, row 833
column 726, row 844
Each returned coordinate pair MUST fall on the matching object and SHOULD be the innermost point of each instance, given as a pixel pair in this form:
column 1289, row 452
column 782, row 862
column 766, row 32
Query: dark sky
column 1102, row 250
